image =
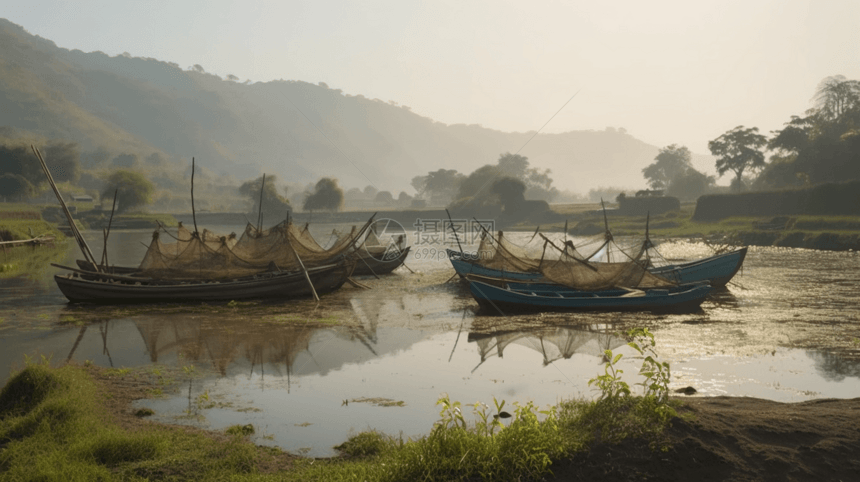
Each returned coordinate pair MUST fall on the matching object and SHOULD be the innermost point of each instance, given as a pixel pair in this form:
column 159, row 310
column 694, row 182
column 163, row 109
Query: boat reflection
column 552, row 342
column 722, row 297
column 230, row 348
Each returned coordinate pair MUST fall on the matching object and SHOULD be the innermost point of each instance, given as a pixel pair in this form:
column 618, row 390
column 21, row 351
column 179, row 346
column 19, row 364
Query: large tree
column 671, row 162
column 538, row 182
column 511, row 192
column 327, row 196
column 690, row 184
column 438, row 186
column 821, row 146
column 274, row 204
column 14, row 187
column 837, row 97
column 63, row 159
column 132, row 188
column 739, row 150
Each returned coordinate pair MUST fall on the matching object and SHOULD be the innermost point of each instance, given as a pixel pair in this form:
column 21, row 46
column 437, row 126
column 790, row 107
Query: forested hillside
column 301, row 131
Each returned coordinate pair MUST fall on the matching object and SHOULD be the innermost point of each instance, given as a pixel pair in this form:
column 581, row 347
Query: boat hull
column 370, row 265
column 105, row 290
column 505, row 300
column 717, row 270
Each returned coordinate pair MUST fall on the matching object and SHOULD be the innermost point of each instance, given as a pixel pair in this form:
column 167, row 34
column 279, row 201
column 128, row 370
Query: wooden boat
column 366, row 264
column 373, row 261
column 717, row 270
column 550, row 297
column 90, row 287
column 466, row 264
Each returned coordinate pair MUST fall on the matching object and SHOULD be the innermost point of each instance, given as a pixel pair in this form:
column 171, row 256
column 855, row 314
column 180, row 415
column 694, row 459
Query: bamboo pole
column 82, row 243
column 260, row 210
column 193, row 212
column 107, row 232
column 357, row 284
column 307, row 276
column 37, row 240
column 451, row 223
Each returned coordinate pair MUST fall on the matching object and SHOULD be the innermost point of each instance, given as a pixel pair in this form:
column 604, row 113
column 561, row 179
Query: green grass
column 31, row 261
column 53, row 427
column 29, row 228
column 18, row 207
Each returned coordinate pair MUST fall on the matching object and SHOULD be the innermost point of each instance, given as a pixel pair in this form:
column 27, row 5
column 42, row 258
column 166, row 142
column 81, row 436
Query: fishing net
column 501, row 254
column 584, row 275
column 209, row 256
column 194, row 259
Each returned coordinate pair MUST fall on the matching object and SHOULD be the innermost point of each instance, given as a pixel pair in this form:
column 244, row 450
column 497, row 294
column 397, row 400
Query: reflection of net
column 580, row 275
column 554, row 343
column 212, row 257
column 220, row 343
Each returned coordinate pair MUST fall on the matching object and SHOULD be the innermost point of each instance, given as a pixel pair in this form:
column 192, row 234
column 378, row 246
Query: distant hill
column 143, row 106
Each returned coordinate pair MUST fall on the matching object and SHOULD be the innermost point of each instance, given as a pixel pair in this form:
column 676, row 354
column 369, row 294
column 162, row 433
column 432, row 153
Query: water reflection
column 230, row 347
column 834, row 367
column 552, row 342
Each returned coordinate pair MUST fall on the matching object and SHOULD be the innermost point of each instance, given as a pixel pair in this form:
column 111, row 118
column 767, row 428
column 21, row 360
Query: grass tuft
column 27, row 390
column 370, row 443
column 241, row 430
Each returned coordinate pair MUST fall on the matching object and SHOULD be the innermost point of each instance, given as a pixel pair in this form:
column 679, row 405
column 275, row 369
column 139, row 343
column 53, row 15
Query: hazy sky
column 667, row 71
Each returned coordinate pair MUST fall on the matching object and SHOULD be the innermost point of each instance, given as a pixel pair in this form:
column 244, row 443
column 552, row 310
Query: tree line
column 823, row 145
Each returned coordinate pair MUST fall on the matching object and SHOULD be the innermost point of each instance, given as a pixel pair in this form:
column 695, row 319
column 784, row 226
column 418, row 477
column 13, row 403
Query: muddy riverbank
column 720, row 438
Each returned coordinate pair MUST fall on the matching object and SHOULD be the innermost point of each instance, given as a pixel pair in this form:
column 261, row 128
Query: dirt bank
column 729, row 438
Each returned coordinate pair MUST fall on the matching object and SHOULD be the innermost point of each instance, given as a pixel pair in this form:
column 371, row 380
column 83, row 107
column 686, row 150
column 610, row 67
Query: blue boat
column 549, row 297
column 464, row 265
column 717, row 270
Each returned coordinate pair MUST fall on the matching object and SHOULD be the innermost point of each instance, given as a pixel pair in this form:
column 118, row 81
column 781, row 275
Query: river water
column 306, row 375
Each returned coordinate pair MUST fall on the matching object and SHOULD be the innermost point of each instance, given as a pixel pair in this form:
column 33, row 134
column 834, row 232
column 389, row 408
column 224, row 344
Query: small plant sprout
column 451, row 414
column 610, row 383
column 657, row 374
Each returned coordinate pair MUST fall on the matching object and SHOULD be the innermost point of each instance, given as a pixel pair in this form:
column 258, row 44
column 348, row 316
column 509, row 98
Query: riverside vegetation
column 19, row 222
column 58, row 424
column 811, row 231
